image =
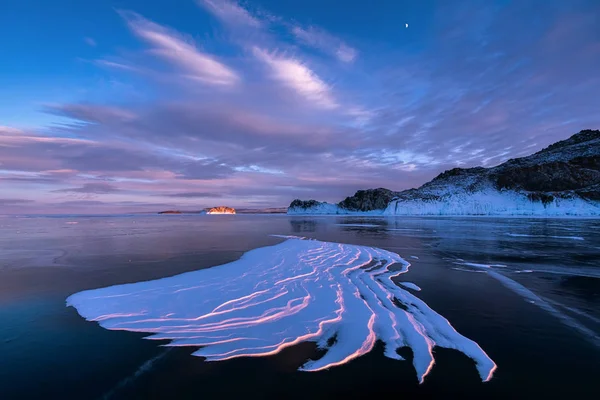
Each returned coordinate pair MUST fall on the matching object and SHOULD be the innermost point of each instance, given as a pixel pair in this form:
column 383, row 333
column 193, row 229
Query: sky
column 138, row 105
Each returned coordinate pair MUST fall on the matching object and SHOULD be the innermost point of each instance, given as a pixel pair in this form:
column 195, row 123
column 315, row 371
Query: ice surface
column 339, row 296
column 545, row 304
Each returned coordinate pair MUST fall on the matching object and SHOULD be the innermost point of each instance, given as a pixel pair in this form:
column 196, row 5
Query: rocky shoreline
column 562, row 179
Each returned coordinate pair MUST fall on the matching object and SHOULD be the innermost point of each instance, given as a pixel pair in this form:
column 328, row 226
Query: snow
column 455, row 201
column 544, row 236
column 410, row 285
column 274, row 297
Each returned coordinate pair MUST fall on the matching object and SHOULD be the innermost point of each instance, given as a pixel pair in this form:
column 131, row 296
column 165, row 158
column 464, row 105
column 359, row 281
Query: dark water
column 48, row 351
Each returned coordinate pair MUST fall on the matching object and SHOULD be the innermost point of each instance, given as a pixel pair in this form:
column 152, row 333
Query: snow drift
column 339, row 296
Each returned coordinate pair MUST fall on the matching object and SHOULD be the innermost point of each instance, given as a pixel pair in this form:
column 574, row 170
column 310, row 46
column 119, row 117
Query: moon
column 406, row 25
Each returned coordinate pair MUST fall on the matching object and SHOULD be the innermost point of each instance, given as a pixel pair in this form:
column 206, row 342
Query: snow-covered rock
column 492, row 202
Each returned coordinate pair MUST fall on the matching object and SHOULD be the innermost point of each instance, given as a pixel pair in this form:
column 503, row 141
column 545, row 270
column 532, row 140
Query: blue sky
column 115, row 106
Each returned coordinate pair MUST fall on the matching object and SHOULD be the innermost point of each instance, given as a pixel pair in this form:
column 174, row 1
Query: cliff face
column 571, row 165
column 368, row 200
column 562, row 179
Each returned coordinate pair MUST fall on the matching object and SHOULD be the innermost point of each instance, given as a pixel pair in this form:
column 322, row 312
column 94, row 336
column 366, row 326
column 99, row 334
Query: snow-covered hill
column 560, row 180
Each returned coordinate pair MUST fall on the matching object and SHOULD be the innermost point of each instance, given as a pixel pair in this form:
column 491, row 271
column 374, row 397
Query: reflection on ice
column 340, row 296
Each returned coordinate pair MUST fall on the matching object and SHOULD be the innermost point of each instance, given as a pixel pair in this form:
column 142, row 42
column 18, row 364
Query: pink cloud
column 298, row 77
column 172, row 47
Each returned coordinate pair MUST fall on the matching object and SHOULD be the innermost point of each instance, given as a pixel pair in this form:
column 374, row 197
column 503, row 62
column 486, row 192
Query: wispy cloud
column 172, row 47
column 298, row 77
column 10, row 131
column 326, row 42
column 91, row 188
column 230, row 12
column 14, row 202
column 10, row 137
column 92, row 114
column 117, row 65
column 191, row 195
column 90, row 42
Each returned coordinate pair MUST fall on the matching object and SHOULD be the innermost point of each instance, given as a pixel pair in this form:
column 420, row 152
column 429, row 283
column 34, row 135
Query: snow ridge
column 339, row 296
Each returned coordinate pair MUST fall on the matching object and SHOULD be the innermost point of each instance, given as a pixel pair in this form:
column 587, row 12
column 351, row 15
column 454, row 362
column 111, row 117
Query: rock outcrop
column 368, row 200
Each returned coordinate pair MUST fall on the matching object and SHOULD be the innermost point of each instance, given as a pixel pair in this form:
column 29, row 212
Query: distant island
column 221, row 210
column 230, row 210
column 562, row 179
column 209, row 210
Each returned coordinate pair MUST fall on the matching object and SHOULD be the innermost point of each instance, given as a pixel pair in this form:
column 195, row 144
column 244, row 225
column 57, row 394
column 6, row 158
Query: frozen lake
column 524, row 293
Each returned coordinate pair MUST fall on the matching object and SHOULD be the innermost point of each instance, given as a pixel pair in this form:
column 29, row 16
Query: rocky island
column 220, row 210
column 210, row 210
column 562, row 179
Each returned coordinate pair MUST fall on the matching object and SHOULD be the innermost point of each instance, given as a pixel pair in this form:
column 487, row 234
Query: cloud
column 230, row 12
column 43, row 159
column 14, row 202
column 118, row 65
column 91, row 113
column 90, row 188
column 324, row 41
column 83, row 203
column 9, row 131
column 12, row 137
column 90, row 42
column 192, row 195
column 298, row 77
column 172, row 47
column 206, row 133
